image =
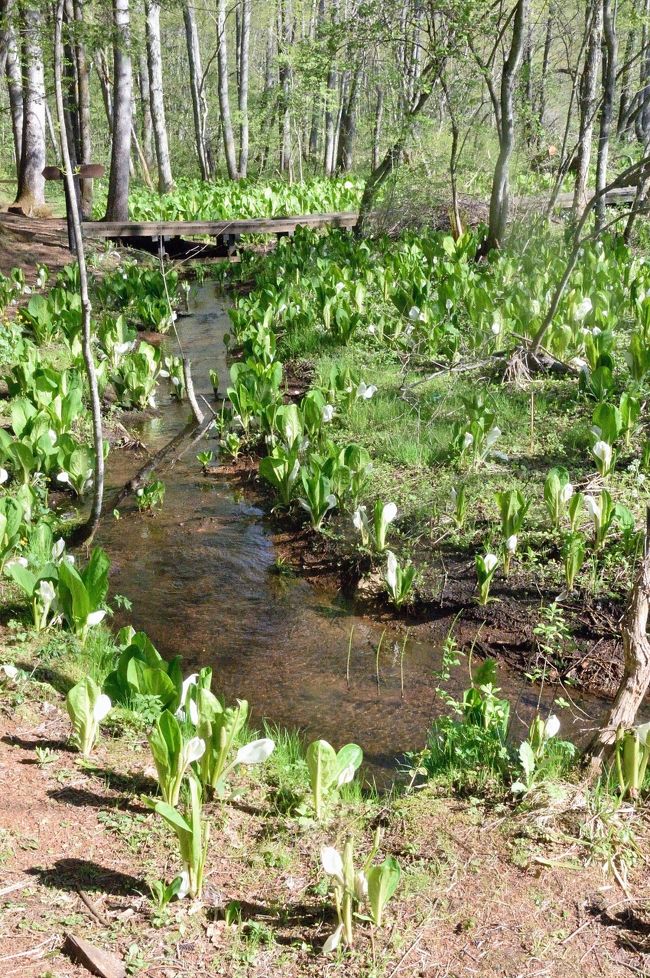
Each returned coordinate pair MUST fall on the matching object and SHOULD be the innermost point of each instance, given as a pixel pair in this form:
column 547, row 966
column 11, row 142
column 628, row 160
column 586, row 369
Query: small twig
column 14, row 886
column 30, row 951
column 94, row 909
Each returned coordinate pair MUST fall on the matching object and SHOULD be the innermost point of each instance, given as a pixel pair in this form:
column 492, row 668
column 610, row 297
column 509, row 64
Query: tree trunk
column 642, row 125
column 588, row 93
column 31, row 184
column 500, row 199
column 85, row 126
column 15, row 86
column 548, row 40
column 244, row 49
column 145, row 103
column 376, row 130
column 610, row 67
column 623, row 123
column 105, row 84
column 154, row 61
column 285, row 36
column 636, row 673
column 330, row 104
column 348, row 127
column 117, row 208
column 199, row 102
column 224, row 96
column 86, row 532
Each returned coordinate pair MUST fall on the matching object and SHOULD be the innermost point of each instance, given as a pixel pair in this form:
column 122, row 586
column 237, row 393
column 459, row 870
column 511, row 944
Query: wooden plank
column 213, row 229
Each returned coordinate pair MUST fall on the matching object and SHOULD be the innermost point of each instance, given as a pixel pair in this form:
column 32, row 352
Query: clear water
column 200, row 576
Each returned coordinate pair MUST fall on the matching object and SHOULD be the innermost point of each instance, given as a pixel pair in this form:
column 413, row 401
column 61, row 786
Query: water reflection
column 200, row 575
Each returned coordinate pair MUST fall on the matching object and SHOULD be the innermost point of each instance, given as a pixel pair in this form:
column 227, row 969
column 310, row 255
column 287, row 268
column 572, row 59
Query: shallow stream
column 200, row 574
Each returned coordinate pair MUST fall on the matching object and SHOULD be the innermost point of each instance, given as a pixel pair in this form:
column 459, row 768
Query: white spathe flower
column 328, row 413
column 184, row 888
column 372, row 329
column 593, row 506
column 583, row 309
column 102, row 708
column 4, row 475
column 164, row 374
column 511, row 543
column 453, row 495
column 10, row 671
column 193, row 750
column 361, row 885
column 492, row 436
column 346, row 775
column 468, row 440
column 365, row 392
column 333, row 940
column 63, row 477
column 51, row 433
column 256, row 752
column 348, row 185
column 95, row 617
column 490, row 561
column 551, row 727
column 176, row 381
column 603, row 451
column 359, row 518
column 122, row 348
column 58, row 548
column 414, row 314
column 194, row 713
column 388, row 513
column 391, row 570
column 46, row 592
column 566, row 492
column 332, row 862
column 190, row 681
column 17, row 562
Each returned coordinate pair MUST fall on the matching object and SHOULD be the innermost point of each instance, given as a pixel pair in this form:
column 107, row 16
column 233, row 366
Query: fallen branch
column 192, row 431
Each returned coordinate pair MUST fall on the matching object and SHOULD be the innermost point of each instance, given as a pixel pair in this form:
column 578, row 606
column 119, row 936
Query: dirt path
column 24, row 243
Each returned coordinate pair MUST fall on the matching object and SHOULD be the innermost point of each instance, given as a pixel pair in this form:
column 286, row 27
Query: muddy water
column 200, row 574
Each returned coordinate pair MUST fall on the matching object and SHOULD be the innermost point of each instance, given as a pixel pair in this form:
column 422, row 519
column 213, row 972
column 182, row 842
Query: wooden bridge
column 172, row 236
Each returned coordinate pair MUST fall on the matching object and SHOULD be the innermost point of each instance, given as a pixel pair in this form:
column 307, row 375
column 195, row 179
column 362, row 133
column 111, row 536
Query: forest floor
column 555, row 888
column 486, row 890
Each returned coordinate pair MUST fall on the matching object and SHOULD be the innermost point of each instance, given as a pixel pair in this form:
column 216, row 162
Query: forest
column 324, row 514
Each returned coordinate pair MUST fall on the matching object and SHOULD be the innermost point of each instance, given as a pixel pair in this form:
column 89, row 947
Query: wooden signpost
column 86, row 171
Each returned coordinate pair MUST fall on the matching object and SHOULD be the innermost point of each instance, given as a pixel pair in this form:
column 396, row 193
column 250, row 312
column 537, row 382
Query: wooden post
column 87, row 171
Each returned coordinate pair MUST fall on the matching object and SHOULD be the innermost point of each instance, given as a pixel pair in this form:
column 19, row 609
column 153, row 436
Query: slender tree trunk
column 642, row 125
column 31, row 184
column 105, row 84
column 285, row 35
column 88, row 531
column 199, row 102
column 376, row 131
column 610, row 67
column 15, row 86
column 117, row 208
column 224, row 96
column 331, row 89
column 154, row 61
column 623, row 123
column 244, row 50
column 548, row 40
column 500, row 199
column 85, row 125
column 588, row 95
column 146, row 128
column 348, row 127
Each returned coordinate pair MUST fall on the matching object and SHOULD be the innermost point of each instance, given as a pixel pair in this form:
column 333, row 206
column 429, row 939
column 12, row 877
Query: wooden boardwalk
column 93, row 230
